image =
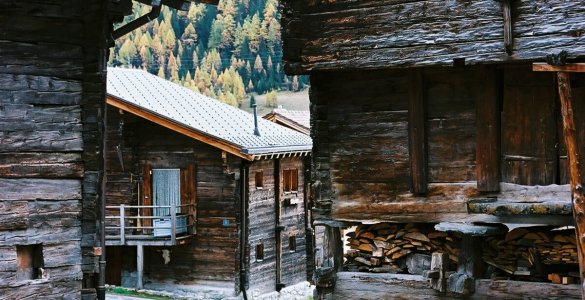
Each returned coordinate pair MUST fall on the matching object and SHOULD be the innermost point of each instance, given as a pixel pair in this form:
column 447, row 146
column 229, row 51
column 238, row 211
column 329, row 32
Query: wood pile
column 532, row 252
column 384, row 247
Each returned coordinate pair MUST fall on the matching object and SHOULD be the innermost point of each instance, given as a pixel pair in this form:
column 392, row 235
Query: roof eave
column 177, row 127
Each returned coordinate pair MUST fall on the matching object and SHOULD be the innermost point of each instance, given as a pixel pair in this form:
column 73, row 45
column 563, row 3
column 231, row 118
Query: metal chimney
column 253, row 105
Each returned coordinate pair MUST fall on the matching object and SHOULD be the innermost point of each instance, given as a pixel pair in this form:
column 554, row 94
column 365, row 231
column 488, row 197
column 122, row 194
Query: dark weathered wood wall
column 292, row 217
column 52, row 91
column 262, row 227
column 362, row 154
column 264, row 219
column 324, row 34
column 213, row 253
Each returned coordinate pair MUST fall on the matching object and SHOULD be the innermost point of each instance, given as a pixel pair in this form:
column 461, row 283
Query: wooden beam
column 222, row 145
column 488, row 133
column 544, row 67
column 417, row 133
column 573, row 154
column 139, row 266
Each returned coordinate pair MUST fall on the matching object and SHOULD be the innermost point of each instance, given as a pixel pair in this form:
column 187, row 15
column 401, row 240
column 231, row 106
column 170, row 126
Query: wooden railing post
column 122, row 224
column 173, row 224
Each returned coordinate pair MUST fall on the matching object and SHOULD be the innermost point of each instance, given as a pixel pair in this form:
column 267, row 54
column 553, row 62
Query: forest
column 226, row 51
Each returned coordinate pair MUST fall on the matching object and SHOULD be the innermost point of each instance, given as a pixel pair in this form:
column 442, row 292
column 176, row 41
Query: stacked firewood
column 384, row 247
column 526, row 252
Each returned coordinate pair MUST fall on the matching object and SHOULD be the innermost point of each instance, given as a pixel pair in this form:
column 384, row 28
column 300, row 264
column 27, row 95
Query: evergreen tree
column 208, row 48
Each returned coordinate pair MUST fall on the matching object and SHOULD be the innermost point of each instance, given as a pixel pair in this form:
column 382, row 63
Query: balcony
column 158, row 225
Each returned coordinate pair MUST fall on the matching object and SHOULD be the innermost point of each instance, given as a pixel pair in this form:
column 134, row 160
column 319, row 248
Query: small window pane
column 260, row 252
column 291, row 180
column 29, row 262
column 259, row 179
column 292, row 243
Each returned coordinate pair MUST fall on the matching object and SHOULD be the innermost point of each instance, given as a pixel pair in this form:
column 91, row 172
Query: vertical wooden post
column 569, row 131
column 278, row 229
column 122, row 224
column 139, row 265
column 573, row 153
column 417, row 133
column 488, row 132
column 173, row 224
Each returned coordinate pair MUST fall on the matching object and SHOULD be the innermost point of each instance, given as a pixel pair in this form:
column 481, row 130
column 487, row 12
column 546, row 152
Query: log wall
column 269, row 207
column 262, row 227
column 362, row 156
column 334, row 35
column 52, row 94
column 292, row 217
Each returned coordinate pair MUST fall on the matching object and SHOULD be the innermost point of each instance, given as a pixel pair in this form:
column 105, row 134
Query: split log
column 387, row 247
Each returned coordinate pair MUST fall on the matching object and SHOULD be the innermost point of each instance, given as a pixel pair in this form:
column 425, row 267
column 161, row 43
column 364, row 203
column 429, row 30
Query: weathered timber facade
column 429, row 111
column 52, row 99
column 245, row 216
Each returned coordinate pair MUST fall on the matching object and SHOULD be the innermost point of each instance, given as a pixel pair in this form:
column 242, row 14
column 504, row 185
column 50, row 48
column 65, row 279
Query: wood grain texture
column 41, row 165
column 488, row 132
column 33, row 189
column 417, row 132
column 320, row 35
column 574, row 152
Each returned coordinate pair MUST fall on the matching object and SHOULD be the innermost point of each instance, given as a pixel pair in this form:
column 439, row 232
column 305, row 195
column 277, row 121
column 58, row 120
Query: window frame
column 292, row 243
column 259, row 179
column 259, row 252
column 290, row 180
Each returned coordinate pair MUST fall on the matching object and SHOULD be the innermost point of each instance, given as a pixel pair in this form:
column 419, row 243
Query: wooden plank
column 139, row 266
column 488, row 133
column 41, row 165
column 574, row 152
column 417, row 134
column 34, row 189
column 232, row 149
column 511, row 289
column 147, row 193
column 372, row 34
column 573, row 67
column 528, row 139
column 14, row 215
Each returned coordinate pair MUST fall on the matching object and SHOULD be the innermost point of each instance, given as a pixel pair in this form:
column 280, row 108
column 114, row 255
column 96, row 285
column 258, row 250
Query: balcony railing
column 135, row 224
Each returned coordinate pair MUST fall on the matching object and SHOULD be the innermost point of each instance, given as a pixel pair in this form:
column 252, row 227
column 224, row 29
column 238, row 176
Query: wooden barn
column 299, row 120
column 52, row 95
column 431, row 121
column 53, row 58
column 195, row 198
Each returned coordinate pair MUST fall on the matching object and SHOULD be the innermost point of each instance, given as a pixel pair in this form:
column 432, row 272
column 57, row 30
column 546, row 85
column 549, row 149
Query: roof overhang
column 284, row 121
column 177, row 127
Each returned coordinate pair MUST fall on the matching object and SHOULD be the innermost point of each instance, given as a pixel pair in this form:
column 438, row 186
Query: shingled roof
column 298, row 120
column 200, row 117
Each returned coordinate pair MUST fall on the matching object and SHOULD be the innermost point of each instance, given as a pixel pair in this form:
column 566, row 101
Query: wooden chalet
column 431, row 113
column 197, row 200
column 298, row 120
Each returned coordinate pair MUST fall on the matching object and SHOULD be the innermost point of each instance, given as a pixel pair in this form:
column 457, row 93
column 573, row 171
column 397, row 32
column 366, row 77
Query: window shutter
column 295, row 180
column 146, row 194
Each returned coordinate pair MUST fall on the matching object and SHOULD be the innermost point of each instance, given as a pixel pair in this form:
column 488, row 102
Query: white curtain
column 166, row 184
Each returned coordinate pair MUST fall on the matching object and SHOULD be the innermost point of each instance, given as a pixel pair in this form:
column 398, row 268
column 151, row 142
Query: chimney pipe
column 253, row 105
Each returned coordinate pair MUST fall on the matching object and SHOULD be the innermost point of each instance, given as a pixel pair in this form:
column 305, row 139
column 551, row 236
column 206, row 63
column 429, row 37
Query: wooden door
column 529, row 135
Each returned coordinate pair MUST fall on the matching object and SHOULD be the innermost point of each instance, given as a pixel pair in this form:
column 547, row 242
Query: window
column 166, row 190
column 292, row 243
column 260, row 252
column 291, row 180
column 30, row 263
column 259, row 179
